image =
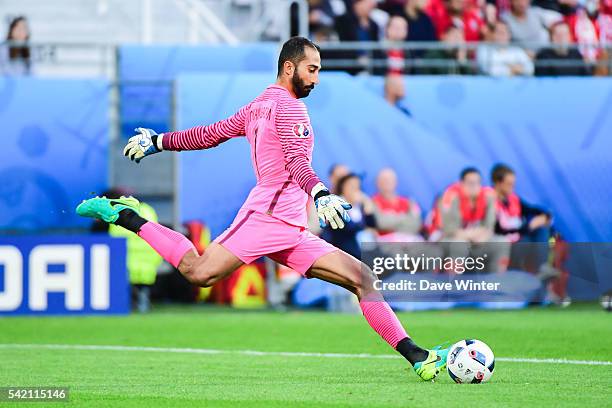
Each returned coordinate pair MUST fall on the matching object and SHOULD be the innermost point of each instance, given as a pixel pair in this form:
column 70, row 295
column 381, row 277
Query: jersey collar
column 281, row 87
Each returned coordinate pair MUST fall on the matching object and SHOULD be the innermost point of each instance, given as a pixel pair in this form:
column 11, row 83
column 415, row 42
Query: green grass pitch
column 161, row 378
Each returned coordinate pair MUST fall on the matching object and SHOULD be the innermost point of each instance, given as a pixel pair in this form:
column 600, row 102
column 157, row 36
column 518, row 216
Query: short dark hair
column 468, row 170
column 499, row 172
column 344, row 179
column 293, row 50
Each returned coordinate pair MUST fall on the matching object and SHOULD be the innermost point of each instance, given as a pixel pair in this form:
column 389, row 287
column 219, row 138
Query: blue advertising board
column 78, row 274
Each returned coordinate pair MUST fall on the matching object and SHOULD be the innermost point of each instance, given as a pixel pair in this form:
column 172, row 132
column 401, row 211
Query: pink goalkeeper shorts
column 253, row 235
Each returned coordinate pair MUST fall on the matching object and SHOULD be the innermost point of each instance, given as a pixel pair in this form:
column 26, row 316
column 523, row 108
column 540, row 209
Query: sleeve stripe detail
column 296, row 150
column 205, row 137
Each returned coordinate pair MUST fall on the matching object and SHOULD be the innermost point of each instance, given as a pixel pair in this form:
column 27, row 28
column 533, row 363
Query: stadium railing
column 370, row 57
column 69, row 59
column 100, row 60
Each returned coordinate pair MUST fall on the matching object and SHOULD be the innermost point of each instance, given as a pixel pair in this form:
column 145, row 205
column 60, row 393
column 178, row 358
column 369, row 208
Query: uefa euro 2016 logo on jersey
column 301, row 130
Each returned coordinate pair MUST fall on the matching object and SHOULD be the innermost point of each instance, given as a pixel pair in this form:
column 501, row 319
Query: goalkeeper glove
column 331, row 208
column 145, row 143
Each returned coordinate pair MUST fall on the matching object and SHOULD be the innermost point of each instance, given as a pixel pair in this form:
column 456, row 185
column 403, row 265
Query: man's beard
column 299, row 87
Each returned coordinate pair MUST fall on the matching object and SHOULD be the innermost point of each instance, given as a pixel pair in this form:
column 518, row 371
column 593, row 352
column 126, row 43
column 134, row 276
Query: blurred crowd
column 492, row 37
column 466, row 218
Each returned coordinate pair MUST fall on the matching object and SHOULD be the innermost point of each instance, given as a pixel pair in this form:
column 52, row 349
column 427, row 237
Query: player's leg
column 213, row 265
column 216, row 262
column 313, row 257
column 342, row 269
column 202, row 270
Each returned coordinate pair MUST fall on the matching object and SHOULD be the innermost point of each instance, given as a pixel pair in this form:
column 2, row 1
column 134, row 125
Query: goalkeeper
column 272, row 222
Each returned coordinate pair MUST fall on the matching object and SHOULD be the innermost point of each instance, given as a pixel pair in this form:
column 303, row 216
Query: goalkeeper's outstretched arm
column 148, row 142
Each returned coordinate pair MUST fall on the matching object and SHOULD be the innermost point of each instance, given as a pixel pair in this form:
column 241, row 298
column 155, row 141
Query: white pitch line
column 275, row 353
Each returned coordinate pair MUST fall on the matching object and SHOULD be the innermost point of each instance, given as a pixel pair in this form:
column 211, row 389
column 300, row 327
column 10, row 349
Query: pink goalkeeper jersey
column 278, row 128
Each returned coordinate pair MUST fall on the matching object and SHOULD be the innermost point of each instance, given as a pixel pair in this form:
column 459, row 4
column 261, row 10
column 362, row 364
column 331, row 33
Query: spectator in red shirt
column 467, row 212
column 398, row 218
column 604, row 24
column 458, row 13
column 584, row 32
column 604, row 21
column 397, row 29
column 468, row 209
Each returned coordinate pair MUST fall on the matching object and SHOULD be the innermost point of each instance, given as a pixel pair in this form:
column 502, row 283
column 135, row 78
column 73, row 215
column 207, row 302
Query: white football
column 470, row 362
column 606, row 301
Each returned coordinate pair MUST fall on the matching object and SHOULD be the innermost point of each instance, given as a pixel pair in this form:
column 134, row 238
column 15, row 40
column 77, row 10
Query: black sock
column 411, row 352
column 128, row 219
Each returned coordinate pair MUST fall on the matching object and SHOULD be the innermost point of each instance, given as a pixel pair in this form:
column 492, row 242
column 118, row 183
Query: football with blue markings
column 470, row 362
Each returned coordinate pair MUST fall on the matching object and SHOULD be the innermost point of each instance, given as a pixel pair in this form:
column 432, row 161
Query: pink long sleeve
column 205, row 137
column 295, row 134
